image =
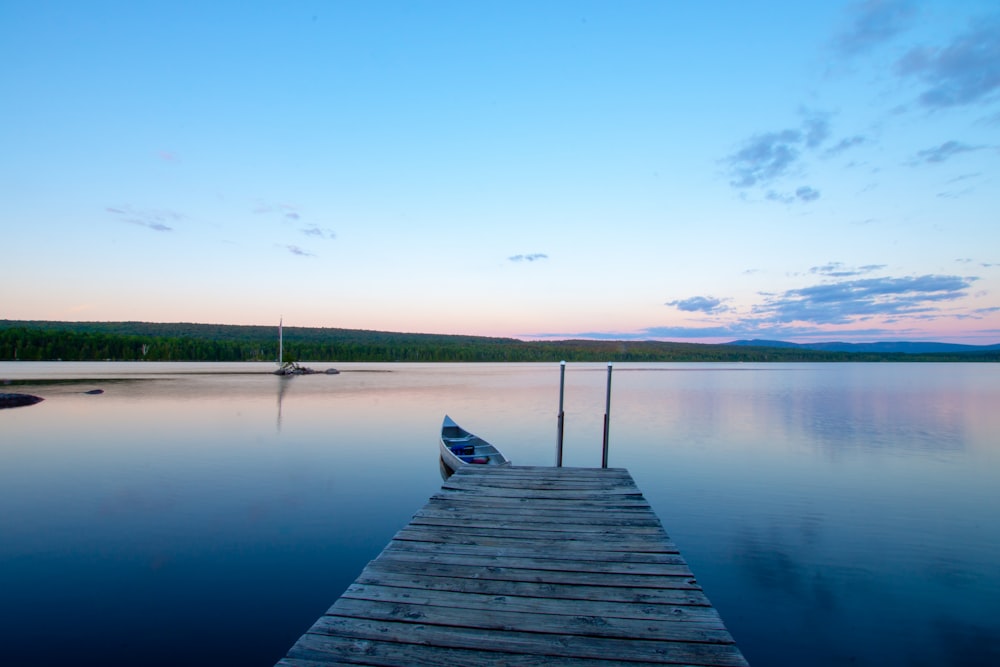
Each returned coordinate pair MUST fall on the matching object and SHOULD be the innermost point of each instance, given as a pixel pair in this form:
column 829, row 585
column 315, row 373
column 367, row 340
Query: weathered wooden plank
column 528, row 516
column 543, row 504
column 549, row 529
column 533, row 521
column 380, row 574
column 553, row 645
column 324, row 650
column 567, row 623
column 472, row 519
column 551, row 547
column 534, row 483
column 642, row 587
column 604, row 542
column 464, row 600
column 525, row 566
column 541, row 508
column 592, row 534
column 547, row 472
column 583, row 559
column 520, row 494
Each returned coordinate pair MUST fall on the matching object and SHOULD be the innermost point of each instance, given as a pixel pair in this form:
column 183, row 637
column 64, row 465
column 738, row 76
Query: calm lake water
column 207, row 514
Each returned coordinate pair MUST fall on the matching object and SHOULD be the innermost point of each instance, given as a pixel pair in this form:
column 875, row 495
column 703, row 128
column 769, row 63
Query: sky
column 654, row 170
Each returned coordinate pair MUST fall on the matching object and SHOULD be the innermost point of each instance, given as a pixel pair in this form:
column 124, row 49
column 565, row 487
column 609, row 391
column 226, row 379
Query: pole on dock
column 607, row 421
column 562, row 421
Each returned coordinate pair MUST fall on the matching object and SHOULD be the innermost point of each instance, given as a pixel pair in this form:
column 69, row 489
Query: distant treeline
column 141, row 341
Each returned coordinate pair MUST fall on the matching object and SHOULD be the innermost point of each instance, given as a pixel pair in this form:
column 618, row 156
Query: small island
column 292, row 368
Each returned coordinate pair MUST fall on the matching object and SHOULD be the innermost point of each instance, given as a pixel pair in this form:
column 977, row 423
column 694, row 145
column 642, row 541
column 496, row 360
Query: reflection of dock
column 519, row 566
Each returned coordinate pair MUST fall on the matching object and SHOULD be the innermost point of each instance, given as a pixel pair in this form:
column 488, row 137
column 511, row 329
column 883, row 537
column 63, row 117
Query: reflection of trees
column 283, row 381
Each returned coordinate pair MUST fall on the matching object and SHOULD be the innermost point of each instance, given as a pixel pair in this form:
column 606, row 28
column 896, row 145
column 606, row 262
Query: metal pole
column 559, row 428
column 607, row 421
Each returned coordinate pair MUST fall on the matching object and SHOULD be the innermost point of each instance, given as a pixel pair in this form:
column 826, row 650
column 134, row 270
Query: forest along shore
column 28, row 340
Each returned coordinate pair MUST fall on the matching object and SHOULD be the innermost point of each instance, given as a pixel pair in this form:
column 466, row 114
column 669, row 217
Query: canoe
column 460, row 448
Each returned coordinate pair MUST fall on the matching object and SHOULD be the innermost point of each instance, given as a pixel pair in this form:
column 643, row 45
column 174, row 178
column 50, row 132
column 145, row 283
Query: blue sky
column 633, row 170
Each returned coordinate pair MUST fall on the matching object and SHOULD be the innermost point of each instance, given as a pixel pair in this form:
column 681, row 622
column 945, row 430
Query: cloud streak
column 533, row 257
column 839, row 270
column 153, row 219
column 844, row 145
column 699, row 304
column 298, row 252
column 318, row 232
column 873, row 23
column 858, row 300
column 768, row 157
column 945, row 151
column 965, row 72
column 844, row 298
column 765, row 157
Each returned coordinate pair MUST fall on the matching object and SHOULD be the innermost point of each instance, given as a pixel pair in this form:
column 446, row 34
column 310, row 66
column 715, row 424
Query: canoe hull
column 460, row 448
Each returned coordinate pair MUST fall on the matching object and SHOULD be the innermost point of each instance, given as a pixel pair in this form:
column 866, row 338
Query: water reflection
column 836, row 514
column 283, row 381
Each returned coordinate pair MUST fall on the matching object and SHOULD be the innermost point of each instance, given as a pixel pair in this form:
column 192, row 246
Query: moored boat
column 460, row 448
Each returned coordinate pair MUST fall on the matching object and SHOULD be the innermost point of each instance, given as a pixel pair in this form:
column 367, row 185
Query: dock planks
column 525, row 566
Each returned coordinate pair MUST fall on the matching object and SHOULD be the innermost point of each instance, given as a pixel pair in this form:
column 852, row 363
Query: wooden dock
column 524, row 566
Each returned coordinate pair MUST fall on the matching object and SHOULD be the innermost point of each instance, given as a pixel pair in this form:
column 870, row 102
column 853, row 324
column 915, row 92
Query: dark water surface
column 207, row 514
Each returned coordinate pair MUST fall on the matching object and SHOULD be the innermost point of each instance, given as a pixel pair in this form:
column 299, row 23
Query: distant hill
column 145, row 341
column 888, row 347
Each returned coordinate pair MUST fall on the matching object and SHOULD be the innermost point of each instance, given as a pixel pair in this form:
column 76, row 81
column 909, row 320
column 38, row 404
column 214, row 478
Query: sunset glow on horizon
column 649, row 171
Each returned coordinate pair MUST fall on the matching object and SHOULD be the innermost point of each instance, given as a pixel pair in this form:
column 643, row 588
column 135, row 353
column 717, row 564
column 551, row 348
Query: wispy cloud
column 964, row 177
column 533, row 257
column 769, row 157
column 737, row 330
column 700, row 304
column 286, row 211
column 155, row 219
column 945, row 151
column 840, row 270
column 297, row 251
column 966, row 71
column 857, row 300
column 845, row 144
column 816, row 128
column 807, row 193
column 872, row 23
column 803, row 194
column 862, row 308
column 843, row 301
column 318, row 232
column 650, row 333
column 764, row 157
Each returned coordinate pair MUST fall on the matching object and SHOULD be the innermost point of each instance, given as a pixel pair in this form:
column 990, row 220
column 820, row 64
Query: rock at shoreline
column 297, row 370
column 294, row 369
column 17, row 400
column 94, row 391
